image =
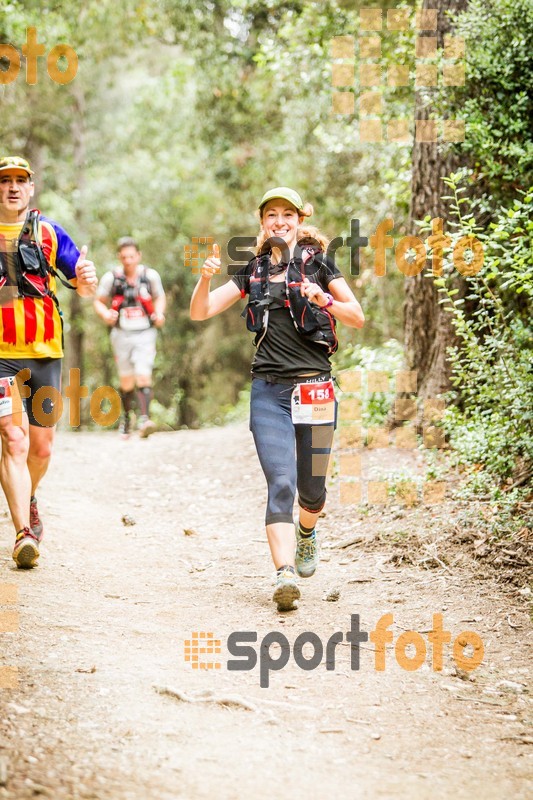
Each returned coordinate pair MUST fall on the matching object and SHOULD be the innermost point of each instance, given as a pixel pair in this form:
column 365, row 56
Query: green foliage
column 491, row 425
column 240, row 411
column 387, row 358
column 182, row 113
column 180, row 116
column 490, row 413
column 497, row 98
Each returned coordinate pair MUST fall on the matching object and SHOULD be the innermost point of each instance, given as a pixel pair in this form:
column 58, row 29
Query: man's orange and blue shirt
column 30, row 327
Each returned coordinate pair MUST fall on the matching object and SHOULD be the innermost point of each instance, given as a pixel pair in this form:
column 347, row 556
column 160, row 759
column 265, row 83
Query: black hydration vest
column 314, row 323
column 26, row 272
column 125, row 295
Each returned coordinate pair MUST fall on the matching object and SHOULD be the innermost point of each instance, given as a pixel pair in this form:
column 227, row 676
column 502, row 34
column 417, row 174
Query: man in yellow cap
column 33, row 251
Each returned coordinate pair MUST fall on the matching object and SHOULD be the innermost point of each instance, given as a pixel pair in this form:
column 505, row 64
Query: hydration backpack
column 27, row 269
column 124, row 295
column 314, row 323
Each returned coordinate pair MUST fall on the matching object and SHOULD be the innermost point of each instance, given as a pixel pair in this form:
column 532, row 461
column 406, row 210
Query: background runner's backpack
column 124, row 295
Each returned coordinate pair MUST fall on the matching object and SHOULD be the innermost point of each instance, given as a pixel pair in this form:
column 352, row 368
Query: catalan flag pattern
column 30, row 327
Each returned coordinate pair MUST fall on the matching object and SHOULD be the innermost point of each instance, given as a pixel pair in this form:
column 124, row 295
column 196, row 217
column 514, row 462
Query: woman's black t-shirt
column 283, row 352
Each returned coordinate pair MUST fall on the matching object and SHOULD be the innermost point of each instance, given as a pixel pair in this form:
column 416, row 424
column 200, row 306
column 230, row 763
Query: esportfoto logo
column 410, row 649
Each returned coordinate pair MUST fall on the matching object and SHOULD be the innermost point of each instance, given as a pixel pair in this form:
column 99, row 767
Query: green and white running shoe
column 306, row 557
column 286, row 591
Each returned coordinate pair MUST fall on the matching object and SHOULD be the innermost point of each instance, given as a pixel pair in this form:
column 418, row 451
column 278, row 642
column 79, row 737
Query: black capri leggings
column 286, row 452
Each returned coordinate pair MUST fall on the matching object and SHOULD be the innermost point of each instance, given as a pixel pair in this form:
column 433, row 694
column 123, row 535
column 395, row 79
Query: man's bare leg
column 41, row 443
column 14, row 473
column 127, row 383
column 16, row 482
column 40, row 450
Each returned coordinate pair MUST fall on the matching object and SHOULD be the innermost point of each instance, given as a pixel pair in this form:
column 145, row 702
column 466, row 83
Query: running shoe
column 26, row 551
column 146, row 427
column 35, row 521
column 286, row 591
column 306, row 557
column 125, row 426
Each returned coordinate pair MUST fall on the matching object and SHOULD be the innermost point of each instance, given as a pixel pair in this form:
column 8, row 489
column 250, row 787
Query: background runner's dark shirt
column 283, row 352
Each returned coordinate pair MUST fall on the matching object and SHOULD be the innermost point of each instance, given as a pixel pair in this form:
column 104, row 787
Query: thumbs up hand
column 86, row 274
column 212, row 264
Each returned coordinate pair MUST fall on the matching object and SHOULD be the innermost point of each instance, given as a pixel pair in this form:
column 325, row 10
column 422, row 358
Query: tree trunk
column 427, row 327
column 75, row 344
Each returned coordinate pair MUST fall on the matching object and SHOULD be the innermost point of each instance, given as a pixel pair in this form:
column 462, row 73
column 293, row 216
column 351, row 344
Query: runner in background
column 32, row 248
column 130, row 299
column 295, row 295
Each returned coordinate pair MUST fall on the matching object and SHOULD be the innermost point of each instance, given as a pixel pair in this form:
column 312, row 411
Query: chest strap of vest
column 29, row 235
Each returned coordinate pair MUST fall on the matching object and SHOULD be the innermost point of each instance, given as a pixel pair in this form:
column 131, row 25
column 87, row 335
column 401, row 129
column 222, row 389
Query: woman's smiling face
column 280, row 218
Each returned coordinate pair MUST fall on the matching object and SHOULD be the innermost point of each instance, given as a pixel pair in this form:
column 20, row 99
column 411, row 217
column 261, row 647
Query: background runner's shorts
column 134, row 351
column 43, row 372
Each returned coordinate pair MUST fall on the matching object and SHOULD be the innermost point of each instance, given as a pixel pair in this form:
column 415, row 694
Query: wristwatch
column 330, row 300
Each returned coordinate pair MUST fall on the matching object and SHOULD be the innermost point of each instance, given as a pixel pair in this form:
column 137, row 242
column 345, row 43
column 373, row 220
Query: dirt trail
column 104, row 618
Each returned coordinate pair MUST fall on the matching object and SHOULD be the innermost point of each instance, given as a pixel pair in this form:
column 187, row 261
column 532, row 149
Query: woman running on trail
column 295, row 295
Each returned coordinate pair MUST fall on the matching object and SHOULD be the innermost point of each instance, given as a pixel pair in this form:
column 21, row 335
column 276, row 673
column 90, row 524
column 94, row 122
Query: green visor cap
column 284, row 193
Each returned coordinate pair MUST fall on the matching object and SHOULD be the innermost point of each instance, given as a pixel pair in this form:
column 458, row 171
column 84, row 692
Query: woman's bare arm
column 206, row 304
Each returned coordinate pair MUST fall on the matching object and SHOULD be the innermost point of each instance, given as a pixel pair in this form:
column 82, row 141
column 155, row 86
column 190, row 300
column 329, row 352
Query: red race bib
column 313, row 403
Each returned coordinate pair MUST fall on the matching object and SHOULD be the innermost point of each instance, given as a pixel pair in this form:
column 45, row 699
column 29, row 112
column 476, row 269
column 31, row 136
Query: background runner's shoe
column 286, row 591
column 26, row 550
column 306, row 557
column 35, row 521
column 146, row 427
column 125, row 426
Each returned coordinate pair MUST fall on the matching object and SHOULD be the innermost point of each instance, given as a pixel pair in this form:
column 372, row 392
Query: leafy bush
column 388, row 358
column 491, row 422
column 496, row 100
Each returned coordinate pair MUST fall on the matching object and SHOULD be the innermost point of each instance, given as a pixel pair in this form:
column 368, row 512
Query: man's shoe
column 146, row 427
column 286, row 591
column 125, row 426
column 306, row 557
column 26, row 550
column 35, row 521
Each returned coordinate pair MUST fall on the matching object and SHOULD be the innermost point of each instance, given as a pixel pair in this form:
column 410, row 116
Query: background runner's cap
column 285, row 194
column 15, row 162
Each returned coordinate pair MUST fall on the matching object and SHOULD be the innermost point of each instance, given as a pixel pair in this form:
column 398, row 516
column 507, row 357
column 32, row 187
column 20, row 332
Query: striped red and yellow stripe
column 31, row 327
